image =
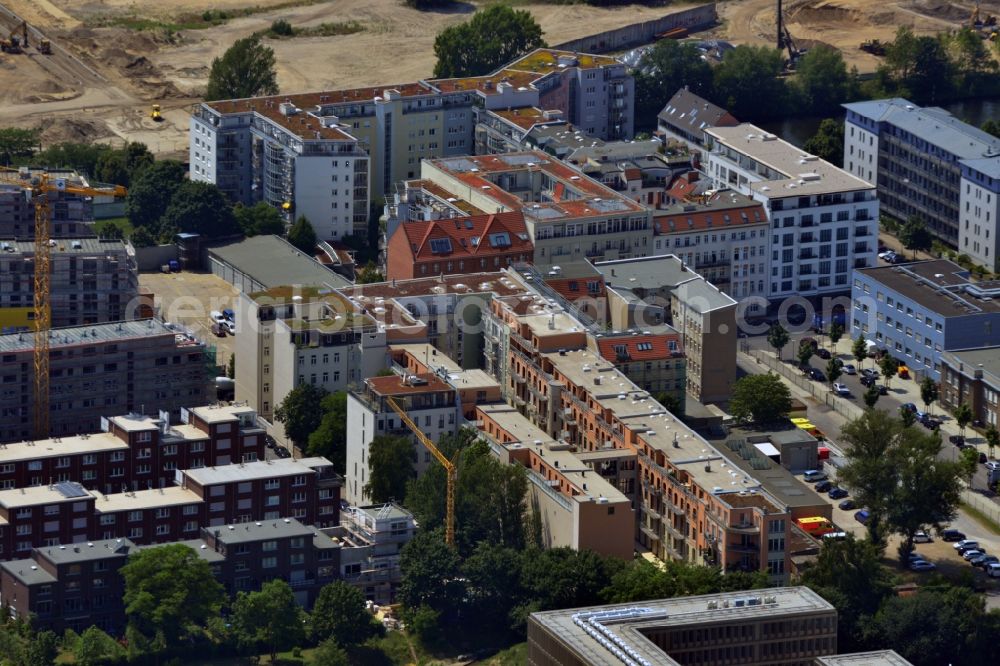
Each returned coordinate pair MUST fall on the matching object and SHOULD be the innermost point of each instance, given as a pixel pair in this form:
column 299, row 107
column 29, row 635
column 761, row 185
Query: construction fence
column 982, row 504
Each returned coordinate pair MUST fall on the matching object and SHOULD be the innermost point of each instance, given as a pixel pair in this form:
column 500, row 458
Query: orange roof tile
column 467, row 236
column 646, row 347
column 708, row 218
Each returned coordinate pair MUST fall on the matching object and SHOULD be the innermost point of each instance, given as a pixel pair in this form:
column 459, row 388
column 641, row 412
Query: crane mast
column 42, row 311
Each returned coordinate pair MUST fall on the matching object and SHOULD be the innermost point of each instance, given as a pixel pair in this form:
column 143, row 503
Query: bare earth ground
column 100, row 81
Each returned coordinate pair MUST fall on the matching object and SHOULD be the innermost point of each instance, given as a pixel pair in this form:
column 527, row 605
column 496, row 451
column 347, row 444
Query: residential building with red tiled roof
column 653, row 360
column 459, row 245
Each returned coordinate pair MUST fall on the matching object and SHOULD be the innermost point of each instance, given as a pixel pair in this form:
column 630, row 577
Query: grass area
column 120, row 223
column 981, row 518
column 512, row 656
column 193, row 20
column 321, row 30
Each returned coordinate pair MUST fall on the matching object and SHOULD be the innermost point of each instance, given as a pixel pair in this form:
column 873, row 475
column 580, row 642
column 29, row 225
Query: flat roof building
column 972, row 376
column 262, row 262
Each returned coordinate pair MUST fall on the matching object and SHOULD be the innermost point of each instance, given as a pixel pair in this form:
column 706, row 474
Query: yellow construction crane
column 38, row 188
column 449, row 466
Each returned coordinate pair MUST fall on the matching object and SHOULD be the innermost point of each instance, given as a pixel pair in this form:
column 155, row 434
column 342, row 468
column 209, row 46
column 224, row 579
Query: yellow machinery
column 38, row 188
column 13, row 43
column 155, row 113
column 449, row 466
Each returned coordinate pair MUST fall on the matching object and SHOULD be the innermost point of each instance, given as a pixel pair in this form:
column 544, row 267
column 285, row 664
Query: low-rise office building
column 125, row 366
column 917, row 311
column 824, row 219
column 260, row 263
column 972, row 377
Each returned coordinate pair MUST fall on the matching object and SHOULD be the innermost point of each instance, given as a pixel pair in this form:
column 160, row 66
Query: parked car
column 982, row 458
column 930, row 422
column 813, row 475
column 972, row 554
column 993, row 570
column 903, row 372
column 909, row 406
column 870, row 372
column 862, row 516
column 270, row 442
column 841, row 389
column 993, row 465
column 229, row 314
column 952, row 535
column 849, row 369
column 216, row 317
column 922, row 565
column 218, row 329
column 823, row 486
column 922, row 537
column 834, row 536
column 823, row 353
column 282, row 452
column 957, row 440
column 887, row 255
column 816, row 374
column 846, row 505
column 837, row 493
column 986, row 561
column 230, row 327
column 966, row 544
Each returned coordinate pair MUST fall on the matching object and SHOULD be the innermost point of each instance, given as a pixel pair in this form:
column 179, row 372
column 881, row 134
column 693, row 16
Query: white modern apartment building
column 824, row 220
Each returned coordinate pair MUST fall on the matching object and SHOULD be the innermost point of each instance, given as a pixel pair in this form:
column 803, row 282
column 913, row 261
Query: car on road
column 813, row 475
column 972, row 554
column 841, row 389
column 862, row 516
column 985, row 561
column 930, row 422
column 823, row 353
column 870, row 372
column 993, row 465
column 846, row 505
column 982, row 458
column 837, row 493
column 922, row 537
column 816, row 374
column 952, row 535
column 922, row 565
column 849, row 369
column 909, row 406
column 823, row 486
column 282, row 452
column 993, row 570
column 230, row 327
column 957, row 440
column 270, row 442
column 966, row 544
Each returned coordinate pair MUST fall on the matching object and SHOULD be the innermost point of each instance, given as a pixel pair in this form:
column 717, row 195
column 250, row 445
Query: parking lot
column 188, row 298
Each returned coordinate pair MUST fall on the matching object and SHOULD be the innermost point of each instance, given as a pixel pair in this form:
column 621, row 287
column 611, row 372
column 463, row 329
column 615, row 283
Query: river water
column 798, row 130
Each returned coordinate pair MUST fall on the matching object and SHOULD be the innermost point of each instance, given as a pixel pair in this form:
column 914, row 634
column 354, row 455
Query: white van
column 216, row 317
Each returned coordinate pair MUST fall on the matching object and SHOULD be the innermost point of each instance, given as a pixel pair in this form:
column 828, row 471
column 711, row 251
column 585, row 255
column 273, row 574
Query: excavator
column 14, row 43
column 155, row 114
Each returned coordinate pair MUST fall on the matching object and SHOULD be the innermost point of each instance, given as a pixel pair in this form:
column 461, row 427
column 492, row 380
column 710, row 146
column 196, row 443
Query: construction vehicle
column 873, row 46
column 155, row 113
column 37, row 189
column 449, row 466
column 785, row 41
column 44, row 47
column 14, row 43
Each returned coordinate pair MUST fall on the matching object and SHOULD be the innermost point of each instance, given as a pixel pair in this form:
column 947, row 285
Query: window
column 269, row 562
column 269, row 546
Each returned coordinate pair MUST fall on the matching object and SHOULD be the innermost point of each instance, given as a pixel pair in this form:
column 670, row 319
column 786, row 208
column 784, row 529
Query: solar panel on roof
column 70, row 489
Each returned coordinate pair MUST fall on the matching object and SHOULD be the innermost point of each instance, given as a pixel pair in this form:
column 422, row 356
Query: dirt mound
column 824, row 12
column 62, row 129
column 940, row 10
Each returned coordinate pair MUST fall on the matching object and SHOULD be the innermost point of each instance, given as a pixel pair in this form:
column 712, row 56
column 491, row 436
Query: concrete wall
column 642, row 33
column 150, row 259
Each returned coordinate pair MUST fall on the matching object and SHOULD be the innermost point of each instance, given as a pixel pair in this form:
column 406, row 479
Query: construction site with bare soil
column 109, row 61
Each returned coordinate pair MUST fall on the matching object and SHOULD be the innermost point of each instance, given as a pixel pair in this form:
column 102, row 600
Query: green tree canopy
column 834, row 369
column 246, row 69
column 992, row 438
column 270, row 618
column 492, row 37
column 16, row 142
column 340, row 614
column 669, row 66
column 151, row 192
column 199, row 208
column 992, row 126
column 121, row 166
column 747, row 82
column 822, row 80
column 928, row 392
column 567, row 578
column 79, row 156
column 963, row 416
column 370, row 274
column 431, row 575
column 169, row 592
column 641, row 580
column 261, row 219
column 777, row 337
column 301, row 412
column 805, row 354
column 390, row 467
column 914, row 236
column 95, row 648
column 860, row 349
column 494, row 592
column 329, row 438
column 760, row 399
column 828, row 141
column 888, row 366
column 328, row 653
column 871, row 396
column 302, row 235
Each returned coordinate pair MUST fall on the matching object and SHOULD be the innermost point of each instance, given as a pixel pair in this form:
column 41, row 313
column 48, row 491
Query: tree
column 328, row 653
column 246, row 69
column 42, row 649
column 142, row 238
column 431, row 575
column 836, row 333
column 169, row 591
column 822, row 80
column 834, row 369
column 666, row 68
column 672, row 403
column 199, row 208
column 868, row 441
column 329, row 439
column 81, row 157
column 917, row 67
column 914, row 236
column 390, row 466
column 850, row 575
column 567, row 578
column 963, row 416
column 151, row 192
column 871, row 396
column 269, row 618
column 928, row 392
column 301, row 412
column 494, row 590
column 760, row 399
column 992, row 439
column 747, row 82
column 907, row 417
column 828, row 141
column 121, row 166
column 17, row 142
column 992, row 126
column 261, row 219
column 860, row 350
column 303, row 236
column 493, row 37
column 231, row 367
column 340, row 614
column 370, row 274
column 805, row 353
column 778, row 337
column 95, row 648
column 968, row 462
column 642, row 580
column 889, row 366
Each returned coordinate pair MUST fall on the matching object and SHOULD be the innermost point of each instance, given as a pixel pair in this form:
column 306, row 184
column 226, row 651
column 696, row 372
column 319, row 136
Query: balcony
column 518, row 379
column 808, row 254
column 650, row 512
column 806, row 238
column 744, row 528
column 749, row 547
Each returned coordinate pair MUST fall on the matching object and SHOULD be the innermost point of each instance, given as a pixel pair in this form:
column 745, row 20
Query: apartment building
column 93, row 281
column 136, row 451
column 722, row 235
column 824, row 219
column 686, row 117
column 645, row 293
column 641, row 170
column 972, row 377
column 576, row 506
column 372, row 538
column 72, row 215
column 290, row 145
column 920, row 310
column 131, row 366
column 931, row 165
column 784, row 625
column 472, row 244
column 514, row 130
column 558, row 203
column 653, row 361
